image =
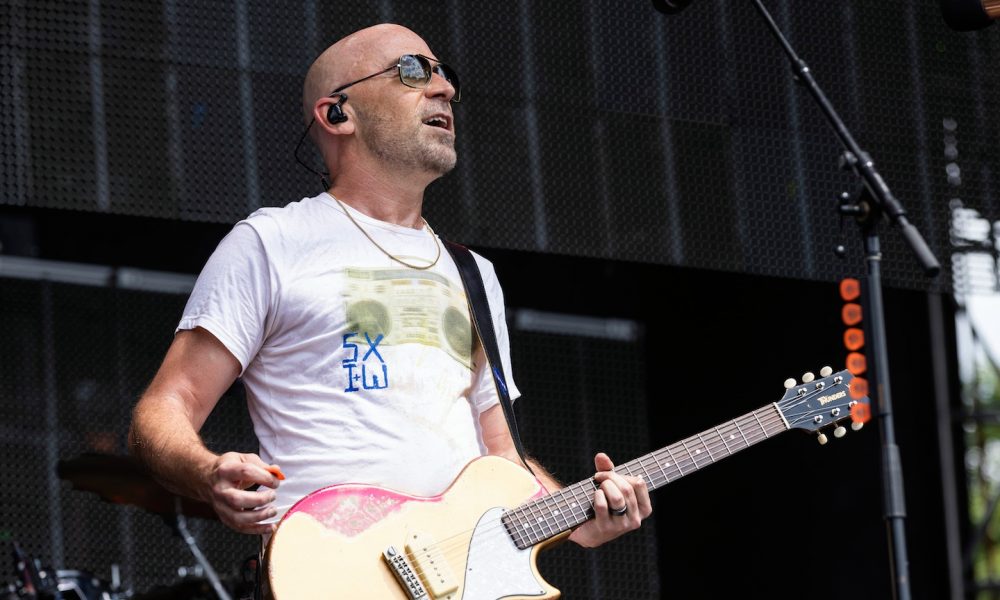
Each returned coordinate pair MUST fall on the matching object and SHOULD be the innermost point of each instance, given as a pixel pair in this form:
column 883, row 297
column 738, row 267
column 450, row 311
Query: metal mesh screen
column 593, row 129
column 74, row 360
column 585, row 395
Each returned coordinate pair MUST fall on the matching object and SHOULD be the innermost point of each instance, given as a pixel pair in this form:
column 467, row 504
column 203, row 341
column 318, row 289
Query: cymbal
column 124, row 480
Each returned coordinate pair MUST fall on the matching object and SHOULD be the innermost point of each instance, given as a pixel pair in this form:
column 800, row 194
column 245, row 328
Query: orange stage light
column 856, row 363
column 854, row 338
column 850, row 289
column 851, row 313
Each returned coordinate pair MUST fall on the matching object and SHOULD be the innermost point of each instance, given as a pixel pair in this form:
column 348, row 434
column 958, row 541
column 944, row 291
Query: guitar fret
column 529, row 525
column 524, row 523
column 645, row 473
column 673, row 459
column 674, row 464
column 538, row 517
column 742, row 435
column 693, row 461
column 580, row 502
column 754, row 413
column 723, row 438
column 537, row 521
column 660, row 468
column 562, row 511
column 707, row 449
column 554, row 512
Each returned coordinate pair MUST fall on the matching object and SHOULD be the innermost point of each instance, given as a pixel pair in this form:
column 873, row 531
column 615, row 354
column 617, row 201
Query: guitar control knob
column 839, row 432
column 808, row 377
column 821, row 438
column 825, row 372
column 857, row 425
column 789, row 383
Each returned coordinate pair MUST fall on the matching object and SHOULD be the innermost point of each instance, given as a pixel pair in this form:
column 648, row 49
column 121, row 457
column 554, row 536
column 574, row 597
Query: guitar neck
column 548, row 516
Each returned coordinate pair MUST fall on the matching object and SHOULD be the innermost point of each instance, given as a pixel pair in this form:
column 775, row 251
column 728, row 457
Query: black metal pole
column 875, row 201
column 894, row 504
column 856, row 158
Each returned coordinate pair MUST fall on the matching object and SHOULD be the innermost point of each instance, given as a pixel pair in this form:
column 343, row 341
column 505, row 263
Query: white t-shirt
column 357, row 369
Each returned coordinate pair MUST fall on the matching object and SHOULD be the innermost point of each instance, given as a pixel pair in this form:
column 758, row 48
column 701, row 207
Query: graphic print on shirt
column 390, row 307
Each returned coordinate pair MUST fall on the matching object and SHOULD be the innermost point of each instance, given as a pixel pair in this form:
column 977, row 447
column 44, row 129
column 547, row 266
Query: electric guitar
column 479, row 539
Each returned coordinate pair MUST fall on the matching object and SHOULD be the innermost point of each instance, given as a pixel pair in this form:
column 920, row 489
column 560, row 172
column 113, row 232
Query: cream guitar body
column 333, row 544
column 479, row 539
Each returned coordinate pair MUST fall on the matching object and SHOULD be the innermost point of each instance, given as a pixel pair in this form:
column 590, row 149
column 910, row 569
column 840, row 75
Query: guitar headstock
column 818, row 404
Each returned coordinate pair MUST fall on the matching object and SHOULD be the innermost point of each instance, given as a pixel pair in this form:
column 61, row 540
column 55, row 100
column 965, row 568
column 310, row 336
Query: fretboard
column 548, row 516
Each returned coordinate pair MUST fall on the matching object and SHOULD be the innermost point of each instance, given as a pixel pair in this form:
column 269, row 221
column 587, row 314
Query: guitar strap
column 482, row 319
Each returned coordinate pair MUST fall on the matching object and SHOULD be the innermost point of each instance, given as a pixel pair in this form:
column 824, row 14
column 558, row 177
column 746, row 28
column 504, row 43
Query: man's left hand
column 614, row 492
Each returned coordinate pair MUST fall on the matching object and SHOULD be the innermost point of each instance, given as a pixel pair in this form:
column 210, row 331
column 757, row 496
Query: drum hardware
column 36, row 583
column 179, row 524
column 124, row 480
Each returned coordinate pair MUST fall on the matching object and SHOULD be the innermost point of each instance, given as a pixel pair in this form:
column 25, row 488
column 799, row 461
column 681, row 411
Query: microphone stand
column 875, row 202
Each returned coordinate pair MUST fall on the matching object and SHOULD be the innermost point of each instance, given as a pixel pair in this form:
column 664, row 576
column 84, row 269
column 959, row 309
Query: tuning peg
column 839, row 432
column 808, row 377
column 825, row 372
column 857, row 425
column 822, row 439
column 789, row 383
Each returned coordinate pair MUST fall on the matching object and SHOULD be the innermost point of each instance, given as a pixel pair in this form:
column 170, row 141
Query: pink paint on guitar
column 351, row 509
column 331, row 544
column 479, row 539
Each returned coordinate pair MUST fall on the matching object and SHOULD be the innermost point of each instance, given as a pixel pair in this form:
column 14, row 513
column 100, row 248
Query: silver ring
column 619, row 512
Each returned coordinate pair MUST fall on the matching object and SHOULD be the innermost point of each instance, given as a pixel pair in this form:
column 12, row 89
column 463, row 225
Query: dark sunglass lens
column 414, row 71
column 449, row 74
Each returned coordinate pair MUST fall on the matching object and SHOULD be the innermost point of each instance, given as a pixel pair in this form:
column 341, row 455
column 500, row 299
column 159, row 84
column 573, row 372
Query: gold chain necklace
column 384, row 251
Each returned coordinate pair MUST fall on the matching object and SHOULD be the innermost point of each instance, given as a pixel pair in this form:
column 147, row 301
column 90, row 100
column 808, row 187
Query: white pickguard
column 496, row 567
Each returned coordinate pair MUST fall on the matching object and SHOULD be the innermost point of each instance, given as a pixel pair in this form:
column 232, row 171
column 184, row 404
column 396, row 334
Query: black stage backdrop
column 599, row 129
column 613, row 163
column 696, row 348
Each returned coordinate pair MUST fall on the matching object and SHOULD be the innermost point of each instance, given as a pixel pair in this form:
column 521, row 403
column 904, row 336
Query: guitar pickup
column 404, row 573
column 435, row 571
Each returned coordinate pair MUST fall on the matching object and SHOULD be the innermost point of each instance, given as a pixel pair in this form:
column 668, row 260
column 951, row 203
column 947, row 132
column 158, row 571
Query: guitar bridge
column 404, row 573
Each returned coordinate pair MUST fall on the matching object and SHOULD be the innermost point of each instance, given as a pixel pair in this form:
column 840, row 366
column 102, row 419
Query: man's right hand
column 240, row 508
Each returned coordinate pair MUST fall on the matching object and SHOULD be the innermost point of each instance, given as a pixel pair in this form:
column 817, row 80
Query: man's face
column 406, row 128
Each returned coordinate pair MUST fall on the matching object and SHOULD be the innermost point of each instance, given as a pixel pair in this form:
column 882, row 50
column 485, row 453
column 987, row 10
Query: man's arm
column 614, row 491
column 195, row 373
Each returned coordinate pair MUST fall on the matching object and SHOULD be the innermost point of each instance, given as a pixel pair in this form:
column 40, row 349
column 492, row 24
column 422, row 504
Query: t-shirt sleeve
column 484, row 395
column 233, row 294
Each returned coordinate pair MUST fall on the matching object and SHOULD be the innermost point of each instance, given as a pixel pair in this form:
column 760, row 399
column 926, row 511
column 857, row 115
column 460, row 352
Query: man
column 345, row 320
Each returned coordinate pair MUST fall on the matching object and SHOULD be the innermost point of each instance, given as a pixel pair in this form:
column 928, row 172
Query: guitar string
column 453, row 545
column 768, row 421
column 456, row 544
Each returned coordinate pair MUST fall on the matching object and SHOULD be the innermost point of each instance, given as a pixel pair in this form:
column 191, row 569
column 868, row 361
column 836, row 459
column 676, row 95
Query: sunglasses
column 415, row 71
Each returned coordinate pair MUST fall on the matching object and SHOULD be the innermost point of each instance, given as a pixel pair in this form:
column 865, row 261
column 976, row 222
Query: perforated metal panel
column 74, row 360
column 586, row 394
column 594, row 128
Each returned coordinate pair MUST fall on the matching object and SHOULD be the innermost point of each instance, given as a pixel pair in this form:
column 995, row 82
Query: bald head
column 359, row 54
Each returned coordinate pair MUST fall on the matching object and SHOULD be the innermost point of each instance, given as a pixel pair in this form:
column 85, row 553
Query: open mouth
column 438, row 121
